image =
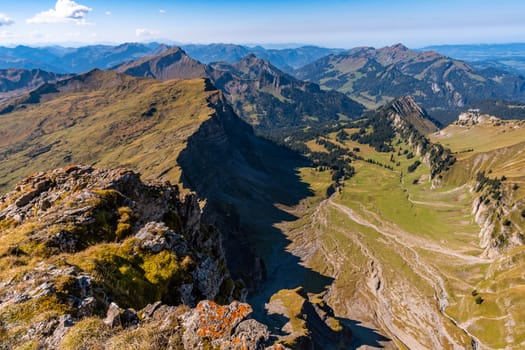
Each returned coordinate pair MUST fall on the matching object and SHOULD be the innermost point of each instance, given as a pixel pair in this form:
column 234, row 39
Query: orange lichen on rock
column 223, row 327
column 218, row 321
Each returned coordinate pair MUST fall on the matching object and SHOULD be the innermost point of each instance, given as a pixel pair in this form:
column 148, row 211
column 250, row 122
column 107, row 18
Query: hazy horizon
column 332, row 23
column 267, row 46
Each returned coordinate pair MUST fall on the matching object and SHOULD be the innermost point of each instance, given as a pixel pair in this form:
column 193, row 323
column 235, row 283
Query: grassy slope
column 401, row 249
column 92, row 128
column 498, row 149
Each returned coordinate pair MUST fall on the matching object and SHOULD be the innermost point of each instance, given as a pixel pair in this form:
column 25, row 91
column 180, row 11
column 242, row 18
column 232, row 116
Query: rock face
column 406, row 108
column 497, row 212
column 84, row 243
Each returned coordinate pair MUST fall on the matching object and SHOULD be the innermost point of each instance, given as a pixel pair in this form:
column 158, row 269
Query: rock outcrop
column 498, row 213
column 84, row 247
column 405, row 109
column 224, row 327
column 473, row 117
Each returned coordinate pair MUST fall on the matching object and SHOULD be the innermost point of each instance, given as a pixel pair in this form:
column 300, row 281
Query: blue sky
column 334, row 23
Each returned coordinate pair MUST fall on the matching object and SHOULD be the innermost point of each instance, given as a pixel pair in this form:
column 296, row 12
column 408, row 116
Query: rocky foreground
column 96, row 258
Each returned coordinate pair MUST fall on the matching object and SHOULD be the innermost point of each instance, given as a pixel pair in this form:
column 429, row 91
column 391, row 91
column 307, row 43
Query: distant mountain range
column 75, row 60
column 442, row 85
column 82, row 59
column 509, row 57
column 285, row 59
column 270, row 93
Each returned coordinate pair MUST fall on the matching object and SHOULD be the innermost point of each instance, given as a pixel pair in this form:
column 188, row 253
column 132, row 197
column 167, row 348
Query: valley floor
column 405, row 261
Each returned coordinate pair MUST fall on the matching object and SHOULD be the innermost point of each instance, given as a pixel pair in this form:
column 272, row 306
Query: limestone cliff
column 497, row 211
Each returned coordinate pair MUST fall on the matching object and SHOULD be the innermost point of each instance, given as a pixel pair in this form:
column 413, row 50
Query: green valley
column 407, row 252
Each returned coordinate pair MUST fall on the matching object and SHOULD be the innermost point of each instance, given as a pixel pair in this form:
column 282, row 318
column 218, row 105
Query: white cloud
column 64, row 11
column 145, row 33
column 163, row 11
column 108, row 13
column 5, row 21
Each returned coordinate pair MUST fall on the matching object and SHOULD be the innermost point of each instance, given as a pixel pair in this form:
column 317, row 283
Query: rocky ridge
column 270, row 99
column 16, row 82
column 411, row 122
column 82, row 249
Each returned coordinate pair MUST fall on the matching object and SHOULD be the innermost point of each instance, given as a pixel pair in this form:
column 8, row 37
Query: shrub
column 124, row 223
column 414, row 166
column 479, row 300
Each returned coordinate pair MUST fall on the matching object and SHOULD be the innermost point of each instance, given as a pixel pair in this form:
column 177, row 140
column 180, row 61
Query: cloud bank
column 65, row 11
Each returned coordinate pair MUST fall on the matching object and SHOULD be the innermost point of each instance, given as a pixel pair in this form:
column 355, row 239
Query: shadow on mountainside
column 364, row 336
column 242, row 177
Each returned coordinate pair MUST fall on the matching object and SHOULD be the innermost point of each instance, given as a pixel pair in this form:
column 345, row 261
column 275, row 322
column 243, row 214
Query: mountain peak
column 251, row 59
column 174, row 49
column 406, row 105
column 405, row 109
column 252, row 62
column 398, row 47
column 170, row 64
